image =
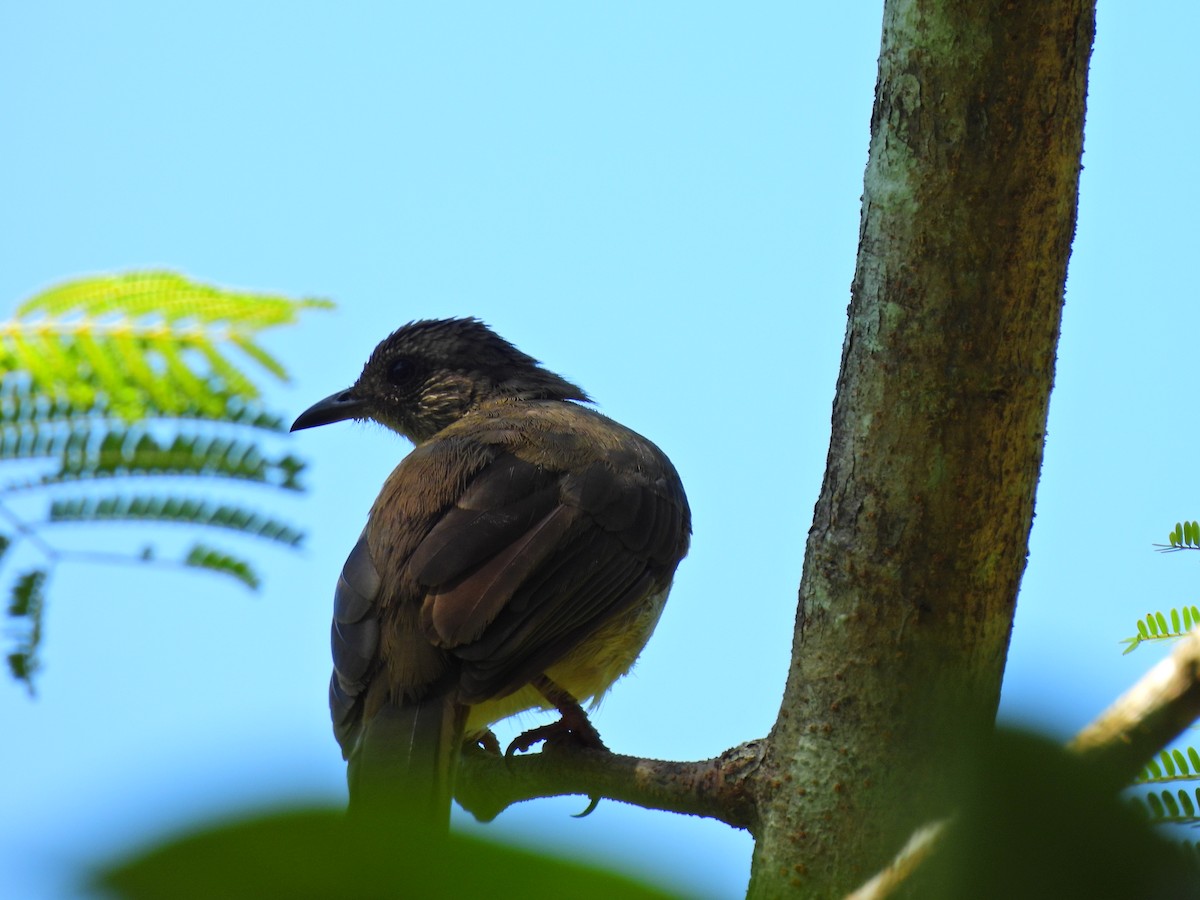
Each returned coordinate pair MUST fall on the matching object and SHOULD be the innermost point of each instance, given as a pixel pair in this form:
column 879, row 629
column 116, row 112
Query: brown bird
column 519, row 557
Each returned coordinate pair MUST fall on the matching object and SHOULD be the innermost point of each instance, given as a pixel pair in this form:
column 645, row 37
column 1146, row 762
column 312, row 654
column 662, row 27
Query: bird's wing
column 532, row 559
column 377, row 605
column 355, row 639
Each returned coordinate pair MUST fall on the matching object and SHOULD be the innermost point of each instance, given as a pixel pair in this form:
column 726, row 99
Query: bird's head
column 430, row 373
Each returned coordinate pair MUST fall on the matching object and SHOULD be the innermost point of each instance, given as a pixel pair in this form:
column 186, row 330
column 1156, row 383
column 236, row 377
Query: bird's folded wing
column 355, row 638
column 531, row 560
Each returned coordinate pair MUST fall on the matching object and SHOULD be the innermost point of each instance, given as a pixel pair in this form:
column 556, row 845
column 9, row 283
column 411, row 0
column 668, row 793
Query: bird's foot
column 574, row 726
column 580, row 734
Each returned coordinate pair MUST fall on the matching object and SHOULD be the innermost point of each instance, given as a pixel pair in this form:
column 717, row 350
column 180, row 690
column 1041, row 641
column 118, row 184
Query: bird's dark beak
column 334, row 408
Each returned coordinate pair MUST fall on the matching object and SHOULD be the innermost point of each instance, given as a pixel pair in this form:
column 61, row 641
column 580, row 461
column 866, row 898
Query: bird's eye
column 401, row 371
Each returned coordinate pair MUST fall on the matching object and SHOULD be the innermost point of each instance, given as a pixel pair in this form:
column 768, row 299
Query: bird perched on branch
column 519, row 557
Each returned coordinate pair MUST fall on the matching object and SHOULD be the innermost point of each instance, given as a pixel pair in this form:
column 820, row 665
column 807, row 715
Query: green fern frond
column 1155, row 627
column 134, row 375
column 259, row 355
column 26, row 602
column 143, row 341
column 167, row 295
column 86, row 454
column 23, row 601
column 20, row 407
column 1171, row 765
column 227, row 374
column 1184, row 536
column 176, row 510
column 204, row 557
column 1167, row 807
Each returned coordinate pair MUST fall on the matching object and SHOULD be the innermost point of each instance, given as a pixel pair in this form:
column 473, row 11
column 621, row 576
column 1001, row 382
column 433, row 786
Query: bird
column 517, row 558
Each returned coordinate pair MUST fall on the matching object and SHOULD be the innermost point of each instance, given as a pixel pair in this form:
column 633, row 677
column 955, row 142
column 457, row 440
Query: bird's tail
column 406, row 760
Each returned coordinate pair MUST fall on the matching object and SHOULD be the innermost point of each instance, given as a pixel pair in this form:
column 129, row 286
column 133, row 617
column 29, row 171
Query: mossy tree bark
column 921, row 531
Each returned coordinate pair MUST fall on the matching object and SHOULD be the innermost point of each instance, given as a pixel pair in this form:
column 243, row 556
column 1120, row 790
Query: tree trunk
column 921, row 530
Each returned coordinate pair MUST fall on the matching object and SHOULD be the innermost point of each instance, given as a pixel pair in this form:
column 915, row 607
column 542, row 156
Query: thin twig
column 1147, row 717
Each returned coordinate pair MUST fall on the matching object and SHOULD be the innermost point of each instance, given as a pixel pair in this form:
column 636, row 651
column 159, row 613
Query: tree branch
column 1147, row 717
column 1142, row 721
column 720, row 788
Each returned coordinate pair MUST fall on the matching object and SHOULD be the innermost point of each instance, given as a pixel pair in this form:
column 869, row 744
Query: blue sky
column 662, row 204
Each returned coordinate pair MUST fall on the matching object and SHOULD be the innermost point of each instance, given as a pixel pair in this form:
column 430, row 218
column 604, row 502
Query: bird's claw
column 593, row 802
column 574, row 730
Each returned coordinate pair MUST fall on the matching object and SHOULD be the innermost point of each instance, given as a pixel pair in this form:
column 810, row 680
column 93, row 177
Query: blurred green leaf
column 318, row 853
column 1037, row 821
